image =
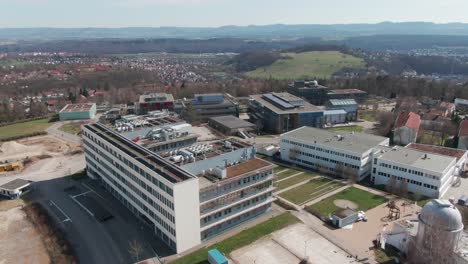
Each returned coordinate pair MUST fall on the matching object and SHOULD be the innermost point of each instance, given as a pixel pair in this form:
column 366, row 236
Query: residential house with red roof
column 463, row 135
column 406, row 128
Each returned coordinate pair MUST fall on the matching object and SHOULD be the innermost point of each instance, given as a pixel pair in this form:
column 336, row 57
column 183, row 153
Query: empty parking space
column 58, row 212
column 88, row 201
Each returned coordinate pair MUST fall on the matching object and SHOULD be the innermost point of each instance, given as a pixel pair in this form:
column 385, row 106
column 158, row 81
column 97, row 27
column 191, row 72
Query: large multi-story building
column 349, row 153
column 154, row 101
column 358, row 95
column 282, row 112
column 186, row 194
column 427, row 170
column 310, row 90
column 214, row 104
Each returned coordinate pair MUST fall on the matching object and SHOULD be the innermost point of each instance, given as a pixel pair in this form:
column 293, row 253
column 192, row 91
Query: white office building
column 188, row 194
column 424, row 169
column 319, row 148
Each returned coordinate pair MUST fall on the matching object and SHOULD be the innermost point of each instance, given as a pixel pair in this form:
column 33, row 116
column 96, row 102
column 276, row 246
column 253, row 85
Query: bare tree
column 135, row 249
column 391, row 184
column 402, row 188
column 385, row 120
column 339, row 169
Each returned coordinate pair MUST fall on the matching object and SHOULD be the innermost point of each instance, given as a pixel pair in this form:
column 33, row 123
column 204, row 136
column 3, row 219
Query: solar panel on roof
column 278, row 101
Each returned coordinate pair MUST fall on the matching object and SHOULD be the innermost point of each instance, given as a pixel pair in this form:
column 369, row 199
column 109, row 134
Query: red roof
column 463, row 128
column 408, row 119
column 52, row 102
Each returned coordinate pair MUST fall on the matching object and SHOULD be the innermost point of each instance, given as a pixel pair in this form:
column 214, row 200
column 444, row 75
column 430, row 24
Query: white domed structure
column 439, row 230
column 441, row 214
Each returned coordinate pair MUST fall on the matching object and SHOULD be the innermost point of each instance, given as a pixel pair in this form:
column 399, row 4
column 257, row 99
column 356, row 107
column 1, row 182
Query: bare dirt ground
column 204, row 133
column 20, row 242
column 33, row 151
column 345, row 204
column 361, row 235
column 291, row 245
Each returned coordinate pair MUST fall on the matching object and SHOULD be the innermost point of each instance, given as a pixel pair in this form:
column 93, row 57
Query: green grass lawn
column 347, row 129
column 294, row 180
column 71, row 128
column 318, row 64
column 279, row 168
column 285, row 174
column 24, row 128
column 242, row 239
column 309, row 191
column 364, row 200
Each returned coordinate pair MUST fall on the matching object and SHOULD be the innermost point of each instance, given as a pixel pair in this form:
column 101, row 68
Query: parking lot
column 98, row 226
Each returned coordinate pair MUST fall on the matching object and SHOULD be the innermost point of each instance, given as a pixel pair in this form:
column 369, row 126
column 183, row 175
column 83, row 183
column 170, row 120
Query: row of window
column 429, row 186
column 414, row 172
column 336, row 153
column 293, row 151
column 232, row 186
column 206, row 220
column 138, row 202
column 131, row 165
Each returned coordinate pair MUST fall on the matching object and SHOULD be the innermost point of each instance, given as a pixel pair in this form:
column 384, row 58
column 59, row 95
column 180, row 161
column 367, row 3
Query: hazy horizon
column 218, row 13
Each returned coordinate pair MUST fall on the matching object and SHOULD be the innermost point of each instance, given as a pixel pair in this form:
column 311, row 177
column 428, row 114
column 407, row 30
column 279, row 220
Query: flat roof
column 307, row 107
column 148, row 158
column 334, row 112
column 232, row 121
column 346, row 91
column 353, row 142
column 452, row 152
column 85, row 107
column 340, row 102
column 162, row 97
column 246, row 166
column 15, row 184
column 418, row 159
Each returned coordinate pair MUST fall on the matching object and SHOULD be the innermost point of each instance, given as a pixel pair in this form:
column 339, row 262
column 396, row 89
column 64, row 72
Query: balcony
column 224, row 205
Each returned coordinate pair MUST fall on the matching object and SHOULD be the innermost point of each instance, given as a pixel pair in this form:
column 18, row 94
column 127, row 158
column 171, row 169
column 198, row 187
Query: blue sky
column 153, row 13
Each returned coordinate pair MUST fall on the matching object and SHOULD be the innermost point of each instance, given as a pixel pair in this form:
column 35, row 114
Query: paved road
column 96, row 242
column 53, row 130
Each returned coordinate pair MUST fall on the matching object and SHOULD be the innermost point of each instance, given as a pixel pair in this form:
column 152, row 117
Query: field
column 311, row 190
column 293, row 180
column 71, row 128
column 347, row 129
column 364, row 201
column 285, row 174
column 242, row 239
column 25, row 128
column 313, row 64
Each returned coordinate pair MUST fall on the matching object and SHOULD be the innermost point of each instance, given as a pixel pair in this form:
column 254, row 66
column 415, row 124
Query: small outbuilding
column 15, row 188
column 230, row 125
column 78, row 111
column 344, row 217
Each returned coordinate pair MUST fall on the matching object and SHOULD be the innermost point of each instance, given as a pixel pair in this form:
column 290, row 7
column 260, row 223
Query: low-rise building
column 332, row 117
column 358, row 95
column 425, row 172
column 312, row 91
column 282, row 112
column 15, row 188
column 406, row 128
column 463, row 135
column 339, row 153
column 461, row 105
column 153, row 102
column 230, row 125
column 348, row 105
column 214, row 104
column 78, row 111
